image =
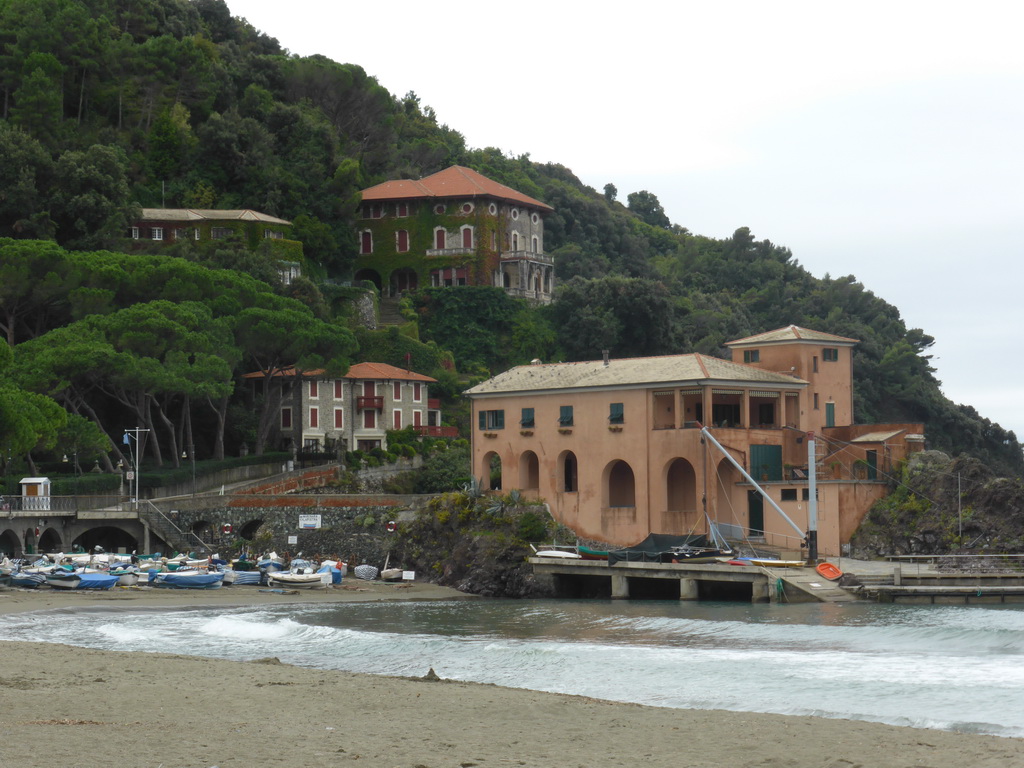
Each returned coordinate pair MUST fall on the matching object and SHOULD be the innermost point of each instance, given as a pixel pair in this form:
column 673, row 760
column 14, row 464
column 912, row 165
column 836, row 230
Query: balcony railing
column 370, row 403
column 535, row 256
column 450, row 251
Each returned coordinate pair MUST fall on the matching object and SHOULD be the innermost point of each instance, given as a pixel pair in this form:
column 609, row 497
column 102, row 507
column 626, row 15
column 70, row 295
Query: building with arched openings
column 453, row 228
column 615, row 446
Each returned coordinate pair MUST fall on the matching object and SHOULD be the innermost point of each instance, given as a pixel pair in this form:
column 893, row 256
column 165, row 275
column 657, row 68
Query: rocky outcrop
column 941, row 505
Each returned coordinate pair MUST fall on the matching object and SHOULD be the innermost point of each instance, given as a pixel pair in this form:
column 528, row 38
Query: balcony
column 534, row 256
column 369, row 403
column 451, row 251
column 434, row 403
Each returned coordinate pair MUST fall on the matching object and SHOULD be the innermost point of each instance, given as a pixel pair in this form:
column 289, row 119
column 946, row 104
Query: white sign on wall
column 293, row 539
column 309, row 521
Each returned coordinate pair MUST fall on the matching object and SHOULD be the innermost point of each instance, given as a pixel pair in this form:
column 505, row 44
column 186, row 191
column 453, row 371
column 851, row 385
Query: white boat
column 301, row 575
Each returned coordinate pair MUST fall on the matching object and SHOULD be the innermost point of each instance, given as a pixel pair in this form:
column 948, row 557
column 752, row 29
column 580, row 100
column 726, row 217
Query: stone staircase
column 389, row 313
column 164, row 527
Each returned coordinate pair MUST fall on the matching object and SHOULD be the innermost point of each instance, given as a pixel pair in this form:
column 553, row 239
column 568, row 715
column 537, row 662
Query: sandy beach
column 72, row 707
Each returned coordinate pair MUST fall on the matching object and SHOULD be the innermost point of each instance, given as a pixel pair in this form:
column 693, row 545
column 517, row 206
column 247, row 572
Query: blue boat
column 190, row 580
column 80, row 580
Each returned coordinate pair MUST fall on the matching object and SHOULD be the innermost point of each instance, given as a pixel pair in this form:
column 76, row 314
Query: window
column 467, row 237
column 565, row 416
column 492, row 419
column 269, row 234
column 369, row 419
column 314, row 389
column 402, row 241
column 158, row 233
column 789, row 494
column 439, row 208
column 616, row 414
column 286, row 418
column 337, row 389
column 135, row 233
column 805, row 494
column 751, row 355
column 830, row 355
column 515, row 241
column 220, row 233
column 417, row 418
column 314, row 417
column 439, row 238
column 339, row 418
column 467, row 207
column 396, row 390
column 526, row 420
column 402, row 210
column 494, row 240
column 492, row 209
column 417, row 391
column 373, row 211
column 816, row 407
column 311, row 444
column 814, row 363
column 366, row 242
column 536, row 244
column 398, row 418
column 515, row 214
column 534, row 218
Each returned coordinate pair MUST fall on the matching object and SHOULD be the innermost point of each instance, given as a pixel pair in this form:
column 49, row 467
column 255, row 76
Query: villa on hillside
column 164, row 226
column 455, row 227
column 351, row 412
column 615, row 445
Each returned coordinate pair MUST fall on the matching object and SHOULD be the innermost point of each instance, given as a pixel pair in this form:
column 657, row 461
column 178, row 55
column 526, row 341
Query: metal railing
column 159, row 521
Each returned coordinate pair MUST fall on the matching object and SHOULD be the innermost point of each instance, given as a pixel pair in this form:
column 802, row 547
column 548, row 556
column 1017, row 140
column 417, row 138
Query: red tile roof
column 375, row 371
column 456, row 181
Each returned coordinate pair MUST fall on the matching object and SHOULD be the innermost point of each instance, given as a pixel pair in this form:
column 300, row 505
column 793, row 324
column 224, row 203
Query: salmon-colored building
column 615, row 446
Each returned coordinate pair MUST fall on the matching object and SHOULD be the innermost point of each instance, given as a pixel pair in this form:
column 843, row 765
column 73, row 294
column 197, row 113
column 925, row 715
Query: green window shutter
column 499, row 419
column 527, row 419
column 565, row 416
column 616, row 414
column 483, row 419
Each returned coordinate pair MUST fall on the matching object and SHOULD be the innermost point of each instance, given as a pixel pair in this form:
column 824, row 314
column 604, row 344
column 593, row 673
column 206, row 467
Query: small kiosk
column 35, row 494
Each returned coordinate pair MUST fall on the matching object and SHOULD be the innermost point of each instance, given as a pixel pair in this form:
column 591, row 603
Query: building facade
column 453, row 228
column 351, row 412
column 165, row 226
column 616, row 448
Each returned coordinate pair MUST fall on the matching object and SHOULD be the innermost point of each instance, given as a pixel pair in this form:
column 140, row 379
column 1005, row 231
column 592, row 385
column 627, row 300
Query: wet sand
column 73, row 707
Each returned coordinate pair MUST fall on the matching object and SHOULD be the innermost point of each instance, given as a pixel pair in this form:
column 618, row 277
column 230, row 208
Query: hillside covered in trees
column 108, row 106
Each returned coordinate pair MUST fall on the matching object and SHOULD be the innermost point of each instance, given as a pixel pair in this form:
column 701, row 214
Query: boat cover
column 96, row 581
column 335, row 573
column 656, row 548
column 186, row 581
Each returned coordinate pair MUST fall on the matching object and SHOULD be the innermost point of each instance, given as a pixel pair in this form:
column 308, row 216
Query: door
column 830, row 414
column 755, row 514
column 872, row 459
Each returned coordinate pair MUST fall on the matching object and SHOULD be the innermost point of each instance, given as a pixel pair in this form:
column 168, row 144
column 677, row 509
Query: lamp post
column 191, row 454
column 74, row 469
column 137, row 434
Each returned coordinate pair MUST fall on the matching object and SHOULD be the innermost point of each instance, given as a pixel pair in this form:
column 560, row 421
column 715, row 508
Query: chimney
column 604, row 354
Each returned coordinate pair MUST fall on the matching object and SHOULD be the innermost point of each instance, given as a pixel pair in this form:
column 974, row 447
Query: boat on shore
column 80, row 579
column 301, row 575
column 186, row 580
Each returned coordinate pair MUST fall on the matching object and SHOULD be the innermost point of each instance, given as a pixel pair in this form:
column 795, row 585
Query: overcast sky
column 878, row 139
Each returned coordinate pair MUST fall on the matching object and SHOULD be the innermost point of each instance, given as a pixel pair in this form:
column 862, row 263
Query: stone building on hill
column 453, row 228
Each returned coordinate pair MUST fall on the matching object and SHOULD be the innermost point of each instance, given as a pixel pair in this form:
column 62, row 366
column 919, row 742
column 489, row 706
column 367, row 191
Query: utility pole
column 812, row 500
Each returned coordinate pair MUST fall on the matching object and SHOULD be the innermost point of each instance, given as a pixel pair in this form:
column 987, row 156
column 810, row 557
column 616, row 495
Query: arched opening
column 203, row 529
column 529, row 471
column 568, row 473
column 108, row 537
column 370, row 275
column 491, row 475
column 248, row 530
column 620, row 490
column 681, row 486
column 50, row 541
column 10, row 544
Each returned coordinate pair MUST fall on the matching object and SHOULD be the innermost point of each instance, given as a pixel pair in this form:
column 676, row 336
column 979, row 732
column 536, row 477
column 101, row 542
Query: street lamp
column 191, row 454
column 74, row 468
column 128, row 434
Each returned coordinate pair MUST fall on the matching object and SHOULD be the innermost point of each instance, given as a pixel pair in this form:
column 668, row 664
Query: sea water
column 945, row 667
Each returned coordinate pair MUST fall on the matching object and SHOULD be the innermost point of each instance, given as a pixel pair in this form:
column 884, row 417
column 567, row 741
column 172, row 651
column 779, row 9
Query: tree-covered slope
column 108, row 106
